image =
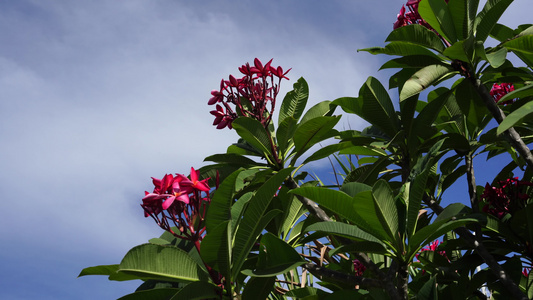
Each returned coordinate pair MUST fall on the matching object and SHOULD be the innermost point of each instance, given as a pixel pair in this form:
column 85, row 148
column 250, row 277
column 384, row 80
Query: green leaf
column 278, row 258
column 324, row 108
column 99, row 270
column 436, row 13
column 386, row 208
column 423, row 78
column 232, row 158
column 254, row 133
column 429, row 290
column 153, row 294
column 285, row 134
column 249, row 228
column 352, row 209
column 196, row 291
column 220, row 206
column 294, row 102
column 360, row 246
column 161, row 262
column 410, row 61
column 461, row 50
column 488, row 17
column 343, row 229
column 497, row 58
column 307, row 293
column 327, row 151
column 417, row 34
column 258, row 287
column 463, row 14
column 516, row 117
column 521, row 44
column 312, row 132
column 216, row 248
column 401, row 48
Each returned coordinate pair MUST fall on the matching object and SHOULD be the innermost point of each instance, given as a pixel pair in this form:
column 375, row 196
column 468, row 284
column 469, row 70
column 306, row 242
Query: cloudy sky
column 98, row 96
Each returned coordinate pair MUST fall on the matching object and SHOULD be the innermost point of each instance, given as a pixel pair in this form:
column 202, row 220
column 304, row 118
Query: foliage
column 253, row 224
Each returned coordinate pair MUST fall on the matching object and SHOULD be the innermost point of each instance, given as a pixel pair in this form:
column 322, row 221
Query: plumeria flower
column 500, row 90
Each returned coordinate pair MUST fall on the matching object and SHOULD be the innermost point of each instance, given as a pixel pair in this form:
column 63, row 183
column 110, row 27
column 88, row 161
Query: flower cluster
column 253, row 95
column 178, row 201
column 358, row 267
column 410, row 17
column 506, row 199
column 500, row 90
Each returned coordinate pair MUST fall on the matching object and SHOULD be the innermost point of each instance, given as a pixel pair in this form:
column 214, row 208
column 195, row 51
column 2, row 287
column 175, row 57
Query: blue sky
column 98, row 96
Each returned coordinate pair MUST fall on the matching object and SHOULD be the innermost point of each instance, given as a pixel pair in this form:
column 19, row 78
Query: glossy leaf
column 423, row 78
column 312, row 132
column 463, row 13
column 253, row 132
column 488, row 17
column 324, row 108
column 417, row 34
column 220, row 206
column 436, row 13
column 386, row 209
column 294, row 102
column 516, row 117
column 163, row 263
column 285, row 134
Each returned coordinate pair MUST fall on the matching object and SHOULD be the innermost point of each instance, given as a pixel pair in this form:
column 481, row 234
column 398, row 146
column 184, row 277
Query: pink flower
column 194, row 183
column 500, row 90
column 167, row 189
column 432, row 247
column 253, row 95
column 411, row 17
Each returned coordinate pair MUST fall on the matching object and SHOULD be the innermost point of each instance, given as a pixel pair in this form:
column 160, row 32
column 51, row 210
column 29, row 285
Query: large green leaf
column 488, row 17
column 109, row 270
column 294, row 102
column 258, row 287
column 197, row 290
column 216, row 248
column 163, row 263
column 386, row 209
column 343, row 229
column 254, row 133
column 275, row 257
column 220, row 206
column 324, row 108
column 423, row 78
column 359, row 210
column 327, row 151
column 437, row 14
column 312, row 132
column 285, row 134
column 516, row 117
column 249, row 227
column 521, row 44
column 401, row 48
column 417, row 34
column 153, row 294
column 411, row 61
column 463, row 13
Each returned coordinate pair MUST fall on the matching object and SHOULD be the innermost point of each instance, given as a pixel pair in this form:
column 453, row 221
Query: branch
column 315, row 210
column 511, row 135
column 478, row 246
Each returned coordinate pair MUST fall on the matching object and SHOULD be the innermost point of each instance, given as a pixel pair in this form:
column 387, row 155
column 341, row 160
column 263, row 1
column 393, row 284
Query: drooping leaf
column 312, row 132
column 417, row 34
column 254, row 133
column 423, row 78
column 161, row 262
column 516, row 117
column 294, row 102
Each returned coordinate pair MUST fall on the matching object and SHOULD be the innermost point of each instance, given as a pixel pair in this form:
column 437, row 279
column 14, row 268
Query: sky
column 98, row 96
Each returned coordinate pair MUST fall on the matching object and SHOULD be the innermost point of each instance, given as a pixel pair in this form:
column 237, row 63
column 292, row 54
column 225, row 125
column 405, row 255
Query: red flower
column 358, row 267
column 169, row 190
column 500, row 90
column 506, row 199
column 411, row 17
column 432, row 247
column 194, row 183
column 253, row 95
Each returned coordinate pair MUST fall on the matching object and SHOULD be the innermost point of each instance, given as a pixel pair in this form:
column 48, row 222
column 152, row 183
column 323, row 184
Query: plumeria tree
column 253, row 224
